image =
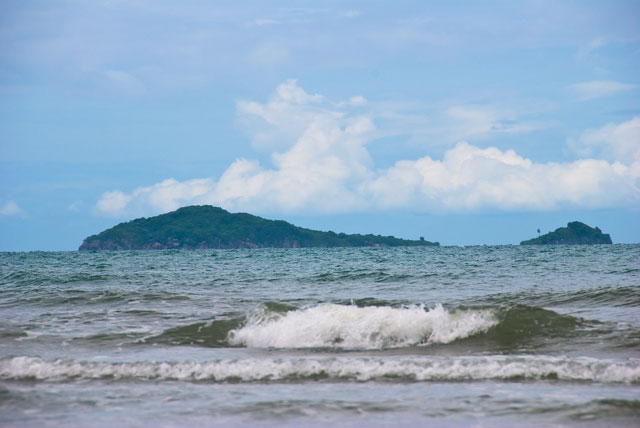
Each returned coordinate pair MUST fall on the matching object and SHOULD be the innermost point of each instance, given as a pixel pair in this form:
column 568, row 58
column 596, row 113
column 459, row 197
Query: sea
column 480, row 336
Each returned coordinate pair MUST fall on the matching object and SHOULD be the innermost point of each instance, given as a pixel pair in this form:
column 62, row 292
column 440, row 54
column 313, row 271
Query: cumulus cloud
column 10, row 208
column 281, row 120
column 321, row 172
column 165, row 196
column 613, row 141
column 326, row 168
column 585, row 91
column 470, row 178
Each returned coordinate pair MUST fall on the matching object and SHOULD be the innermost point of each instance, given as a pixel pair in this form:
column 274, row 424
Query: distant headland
column 576, row 233
column 211, row 227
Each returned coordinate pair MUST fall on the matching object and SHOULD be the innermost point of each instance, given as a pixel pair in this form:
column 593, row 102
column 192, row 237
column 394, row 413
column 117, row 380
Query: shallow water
column 445, row 336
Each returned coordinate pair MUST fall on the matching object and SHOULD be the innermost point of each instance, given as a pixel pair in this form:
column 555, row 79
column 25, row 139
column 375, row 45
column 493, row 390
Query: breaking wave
column 353, row 327
column 421, row 369
column 358, row 327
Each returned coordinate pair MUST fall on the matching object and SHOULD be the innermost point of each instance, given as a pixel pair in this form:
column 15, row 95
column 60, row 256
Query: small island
column 576, row 233
column 206, row 226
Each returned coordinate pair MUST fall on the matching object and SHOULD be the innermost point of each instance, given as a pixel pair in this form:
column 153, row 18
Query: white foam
column 336, row 368
column 353, row 327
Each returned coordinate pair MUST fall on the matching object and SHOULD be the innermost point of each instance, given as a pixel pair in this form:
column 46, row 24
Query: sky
column 467, row 123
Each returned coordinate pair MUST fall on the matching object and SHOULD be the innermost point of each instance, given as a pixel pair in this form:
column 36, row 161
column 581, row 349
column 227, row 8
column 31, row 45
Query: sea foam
column 353, row 327
column 416, row 369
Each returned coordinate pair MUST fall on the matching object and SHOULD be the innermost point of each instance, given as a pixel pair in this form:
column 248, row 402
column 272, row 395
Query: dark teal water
column 448, row 336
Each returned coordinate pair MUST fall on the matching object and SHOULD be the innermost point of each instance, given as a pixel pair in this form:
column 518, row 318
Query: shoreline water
column 443, row 336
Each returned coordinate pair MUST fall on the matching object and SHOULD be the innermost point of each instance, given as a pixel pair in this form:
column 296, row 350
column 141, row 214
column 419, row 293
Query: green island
column 211, row 227
column 576, row 233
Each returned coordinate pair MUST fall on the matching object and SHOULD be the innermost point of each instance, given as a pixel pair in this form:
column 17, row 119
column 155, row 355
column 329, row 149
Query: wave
column 608, row 296
column 94, row 297
column 606, row 408
column 354, row 327
column 363, row 325
column 210, row 334
column 422, row 369
column 522, row 325
column 377, row 275
column 602, row 296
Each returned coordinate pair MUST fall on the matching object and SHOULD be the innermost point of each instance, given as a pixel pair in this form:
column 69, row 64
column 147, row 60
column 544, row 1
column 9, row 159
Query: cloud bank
column 322, row 165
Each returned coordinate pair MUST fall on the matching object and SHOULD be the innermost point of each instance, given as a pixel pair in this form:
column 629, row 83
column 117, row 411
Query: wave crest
column 416, row 369
column 353, row 327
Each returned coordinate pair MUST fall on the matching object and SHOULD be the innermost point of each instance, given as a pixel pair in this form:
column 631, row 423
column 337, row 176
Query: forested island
column 211, row 227
column 576, row 233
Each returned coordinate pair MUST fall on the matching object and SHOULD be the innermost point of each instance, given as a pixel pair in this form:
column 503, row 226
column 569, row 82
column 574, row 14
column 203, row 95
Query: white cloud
column 585, row 91
column 619, row 142
column 10, row 208
column 114, row 203
column 279, row 122
column 327, row 168
column 318, row 173
column 356, row 101
column 165, row 196
column 76, row 206
column 470, row 178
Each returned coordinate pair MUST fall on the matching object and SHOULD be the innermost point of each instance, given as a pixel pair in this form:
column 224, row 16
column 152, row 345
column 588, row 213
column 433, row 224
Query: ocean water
column 445, row 336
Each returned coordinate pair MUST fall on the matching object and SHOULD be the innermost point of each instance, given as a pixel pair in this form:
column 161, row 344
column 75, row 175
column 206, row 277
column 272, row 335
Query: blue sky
column 463, row 122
